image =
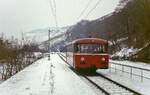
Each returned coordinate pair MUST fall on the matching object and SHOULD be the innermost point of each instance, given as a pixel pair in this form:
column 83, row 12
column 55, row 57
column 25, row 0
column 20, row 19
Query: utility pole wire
column 54, row 6
column 67, row 33
column 86, row 9
column 82, row 12
column 51, row 6
column 53, row 9
column 89, row 2
column 93, row 8
column 56, row 22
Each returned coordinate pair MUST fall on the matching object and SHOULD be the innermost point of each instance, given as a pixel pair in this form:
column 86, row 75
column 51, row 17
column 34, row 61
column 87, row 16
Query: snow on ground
column 66, row 77
column 125, row 52
column 39, row 79
column 1, row 81
column 133, row 82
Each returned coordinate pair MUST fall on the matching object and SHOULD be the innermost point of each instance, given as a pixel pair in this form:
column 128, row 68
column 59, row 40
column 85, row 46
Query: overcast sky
column 18, row 16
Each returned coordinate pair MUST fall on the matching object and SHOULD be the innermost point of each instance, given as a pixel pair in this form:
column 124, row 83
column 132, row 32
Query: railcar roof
column 90, row 40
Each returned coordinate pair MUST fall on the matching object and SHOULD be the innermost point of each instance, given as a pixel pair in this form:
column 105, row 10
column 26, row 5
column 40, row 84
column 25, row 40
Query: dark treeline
column 133, row 22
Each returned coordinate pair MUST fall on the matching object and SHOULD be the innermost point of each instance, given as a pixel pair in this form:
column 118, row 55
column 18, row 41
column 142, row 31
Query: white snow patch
column 125, row 52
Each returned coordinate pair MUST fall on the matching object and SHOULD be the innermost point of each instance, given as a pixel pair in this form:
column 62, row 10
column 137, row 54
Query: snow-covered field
column 42, row 79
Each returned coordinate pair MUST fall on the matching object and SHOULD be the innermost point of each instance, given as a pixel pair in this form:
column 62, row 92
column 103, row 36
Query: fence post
column 141, row 75
column 131, row 73
column 109, row 67
column 122, row 68
column 115, row 68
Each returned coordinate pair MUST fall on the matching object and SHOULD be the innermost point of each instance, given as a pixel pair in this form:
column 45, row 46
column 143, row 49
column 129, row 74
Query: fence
column 132, row 70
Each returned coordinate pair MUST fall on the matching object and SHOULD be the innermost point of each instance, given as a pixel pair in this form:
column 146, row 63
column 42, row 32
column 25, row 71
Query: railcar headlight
column 103, row 59
column 82, row 59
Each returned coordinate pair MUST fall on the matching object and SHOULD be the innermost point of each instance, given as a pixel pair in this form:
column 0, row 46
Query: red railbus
column 88, row 54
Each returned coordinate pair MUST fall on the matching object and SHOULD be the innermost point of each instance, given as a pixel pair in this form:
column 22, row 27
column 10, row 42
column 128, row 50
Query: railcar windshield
column 91, row 48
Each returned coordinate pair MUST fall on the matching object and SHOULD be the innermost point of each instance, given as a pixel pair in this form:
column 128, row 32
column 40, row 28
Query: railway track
column 109, row 87
column 106, row 85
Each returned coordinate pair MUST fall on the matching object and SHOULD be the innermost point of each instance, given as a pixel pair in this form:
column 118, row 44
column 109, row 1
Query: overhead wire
column 86, row 7
column 53, row 9
column 56, row 22
column 98, row 2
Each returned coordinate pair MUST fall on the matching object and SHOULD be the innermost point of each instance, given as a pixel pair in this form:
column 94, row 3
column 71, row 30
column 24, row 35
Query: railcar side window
column 76, row 48
column 91, row 48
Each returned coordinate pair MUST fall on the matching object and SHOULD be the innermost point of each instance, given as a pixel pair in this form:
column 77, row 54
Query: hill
column 127, row 27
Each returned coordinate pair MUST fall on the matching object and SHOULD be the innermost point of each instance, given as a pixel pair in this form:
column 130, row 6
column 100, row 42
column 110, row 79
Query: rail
column 120, row 85
column 139, row 73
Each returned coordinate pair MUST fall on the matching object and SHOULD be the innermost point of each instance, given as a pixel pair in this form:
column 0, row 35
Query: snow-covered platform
column 38, row 79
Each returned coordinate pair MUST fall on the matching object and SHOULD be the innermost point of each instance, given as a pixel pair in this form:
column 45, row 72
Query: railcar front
column 88, row 54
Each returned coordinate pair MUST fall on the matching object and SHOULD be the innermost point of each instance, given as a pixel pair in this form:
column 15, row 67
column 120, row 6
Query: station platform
column 46, row 78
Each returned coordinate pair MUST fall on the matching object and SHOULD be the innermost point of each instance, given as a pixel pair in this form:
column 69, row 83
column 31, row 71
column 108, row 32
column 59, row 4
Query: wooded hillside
column 130, row 21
